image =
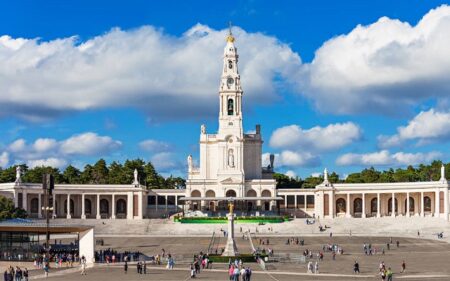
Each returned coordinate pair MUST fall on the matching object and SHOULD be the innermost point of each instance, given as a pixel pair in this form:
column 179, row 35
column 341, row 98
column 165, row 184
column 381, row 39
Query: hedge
column 224, row 219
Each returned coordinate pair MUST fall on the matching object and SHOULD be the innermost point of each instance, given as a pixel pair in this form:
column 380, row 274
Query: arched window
column 87, row 206
column 390, row 205
column 230, row 64
column 357, row 205
column 427, row 204
column 341, row 206
column 121, row 206
column 34, row 208
column 104, row 206
column 231, row 193
column 374, row 205
column 230, row 107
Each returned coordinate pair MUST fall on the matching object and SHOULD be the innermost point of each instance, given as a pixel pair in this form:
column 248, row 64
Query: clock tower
column 230, row 92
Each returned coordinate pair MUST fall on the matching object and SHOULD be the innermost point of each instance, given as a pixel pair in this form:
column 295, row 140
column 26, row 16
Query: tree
column 34, row 175
column 8, row 211
column 116, row 173
column 71, row 175
column 99, row 174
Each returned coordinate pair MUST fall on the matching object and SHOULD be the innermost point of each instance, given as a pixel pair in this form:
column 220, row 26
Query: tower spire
column 230, row 37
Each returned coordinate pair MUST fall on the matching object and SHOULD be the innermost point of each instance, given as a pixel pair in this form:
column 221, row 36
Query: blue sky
column 331, row 83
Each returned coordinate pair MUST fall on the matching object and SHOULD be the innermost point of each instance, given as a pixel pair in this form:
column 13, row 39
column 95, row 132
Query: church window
column 230, row 64
column 230, row 107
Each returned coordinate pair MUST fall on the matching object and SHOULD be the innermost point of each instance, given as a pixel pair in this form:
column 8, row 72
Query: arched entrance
column 251, row 203
column 34, row 206
column 87, row 207
column 390, row 206
column 427, row 204
column 211, row 204
column 121, row 209
column 195, row 205
column 230, row 193
column 341, row 207
column 104, row 207
column 357, row 206
column 266, row 193
column 374, row 206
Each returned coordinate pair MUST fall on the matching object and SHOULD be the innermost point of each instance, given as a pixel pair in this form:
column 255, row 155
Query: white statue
column 135, row 177
column 203, row 129
column 230, row 158
column 325, row 175
column 18, row 174
column 443, row 173
column 190, row 165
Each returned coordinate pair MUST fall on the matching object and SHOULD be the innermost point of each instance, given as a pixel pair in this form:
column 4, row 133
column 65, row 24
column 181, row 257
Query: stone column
column 295, row 202
column 140, row 206
column 347, row 208
column 98, row 207
column 331, row 204
column 25, row 200
column 393, row 205
column 156, row 202
column 166, row 202
column 378, row 205
column 446, row 203
column 306, row 203
column 130, row 210
column 407, row 204
column 422, row 207
column 69, row 216
column 437, row 204
column 363, row 215
column 16, row 199
column 113, row 206
column 40, row 206
column 83, row 208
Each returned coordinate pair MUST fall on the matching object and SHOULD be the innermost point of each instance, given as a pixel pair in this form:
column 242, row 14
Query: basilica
column 230, row 169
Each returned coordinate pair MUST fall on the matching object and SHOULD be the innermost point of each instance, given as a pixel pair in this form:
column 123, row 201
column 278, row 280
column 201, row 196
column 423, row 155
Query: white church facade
column 230, row 166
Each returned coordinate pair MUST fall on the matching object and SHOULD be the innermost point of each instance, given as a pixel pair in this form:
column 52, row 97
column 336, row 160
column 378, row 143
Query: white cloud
column 154, row 146
column 166, row 162
column 331, row 137
column 384, row 158
column 164, row 75
column 89, row 144
column 4, row 159
column 288, row 158
column 427, row 126
column 387, row 66
column 52, row 162
column 291, row 174
column 47, row 151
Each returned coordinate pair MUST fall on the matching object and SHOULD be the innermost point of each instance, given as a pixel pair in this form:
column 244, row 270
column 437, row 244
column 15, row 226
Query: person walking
column 25, row 274
column 125, row 267
column 356, row 267
column 316, row 268
column 145, row 267
column 389, row 274
column 403, row 267
column 46, row 269
column 83, row 265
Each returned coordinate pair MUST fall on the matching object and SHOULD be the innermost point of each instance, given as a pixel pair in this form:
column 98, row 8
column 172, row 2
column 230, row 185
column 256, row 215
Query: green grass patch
column 274, row 219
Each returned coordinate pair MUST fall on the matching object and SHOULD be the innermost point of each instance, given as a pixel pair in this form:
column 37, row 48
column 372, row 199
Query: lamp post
column 48, row 184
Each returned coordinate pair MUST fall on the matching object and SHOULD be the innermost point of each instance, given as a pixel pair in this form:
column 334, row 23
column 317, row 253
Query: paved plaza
column 425, row 259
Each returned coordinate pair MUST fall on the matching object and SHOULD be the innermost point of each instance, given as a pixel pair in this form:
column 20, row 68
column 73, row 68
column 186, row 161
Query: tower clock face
column 230, row 81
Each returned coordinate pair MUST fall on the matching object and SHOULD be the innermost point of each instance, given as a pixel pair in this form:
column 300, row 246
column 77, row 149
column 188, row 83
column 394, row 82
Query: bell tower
column 230, row 92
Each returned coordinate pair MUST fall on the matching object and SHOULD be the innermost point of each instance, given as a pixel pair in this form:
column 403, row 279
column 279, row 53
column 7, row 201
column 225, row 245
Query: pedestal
column 230, row 247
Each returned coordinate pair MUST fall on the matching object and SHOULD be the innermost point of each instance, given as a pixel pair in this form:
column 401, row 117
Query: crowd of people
column 113, row 256
column 15, row 274
column 238, row 272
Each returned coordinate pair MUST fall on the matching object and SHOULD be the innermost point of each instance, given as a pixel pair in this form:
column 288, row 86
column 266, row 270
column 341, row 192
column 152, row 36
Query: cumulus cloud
column 290, row 158
column 331, row 137
column 427, row 127
column 165, row 75
column 291, row 174
column 384, row 157
column 4, row 159
column 388, row 66
column 154, row 146
column 166, row 162
column 89, row 144
column 51, row 152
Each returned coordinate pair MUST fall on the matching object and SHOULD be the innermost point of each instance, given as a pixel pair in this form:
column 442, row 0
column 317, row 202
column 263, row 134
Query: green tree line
column 431, row 172
column 99, row 173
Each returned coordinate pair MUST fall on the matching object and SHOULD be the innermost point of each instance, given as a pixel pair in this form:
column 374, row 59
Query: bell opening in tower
column 230, row 106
